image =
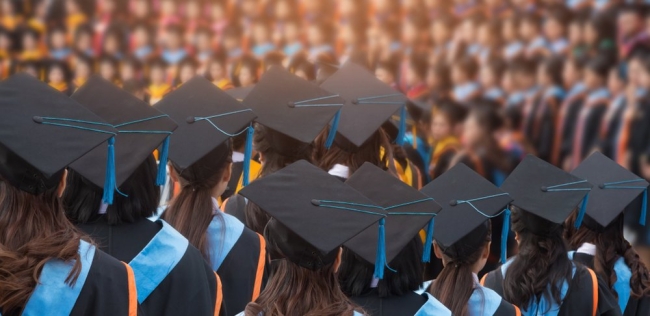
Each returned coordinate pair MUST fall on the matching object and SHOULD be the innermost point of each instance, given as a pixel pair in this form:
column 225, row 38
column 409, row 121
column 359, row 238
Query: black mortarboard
column 370, row 103
column 316, row 212
column 468, row 201
column 206, row 117
column 240, row 93
column 42, row 131
column 408, row 211
column 614, row 188
column 292, row 106
column 141, row 129
column 547, row 192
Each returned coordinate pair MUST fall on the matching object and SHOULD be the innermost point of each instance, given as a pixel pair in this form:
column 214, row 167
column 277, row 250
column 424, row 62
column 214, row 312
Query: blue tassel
column 583, row 210
column 248, row 153
column 644, row 207
column 109, row 181
column 426, row 255
column 380, row 259
column 161, row 178
column 402, row 127
column 333, row 129
column 504, row 235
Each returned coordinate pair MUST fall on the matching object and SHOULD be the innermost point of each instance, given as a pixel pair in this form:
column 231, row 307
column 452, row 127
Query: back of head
column 193, row 209
column 455, row 283
column 34, row 230
column 295, row 290
column 345, row 153
column 356, row 274
column 83, row 199
column 542, row 264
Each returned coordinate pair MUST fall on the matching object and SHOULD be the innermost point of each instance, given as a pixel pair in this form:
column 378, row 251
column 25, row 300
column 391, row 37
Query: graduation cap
column 240, row 93
column 370, row 103
column 141, row 129
column 317, row 212
column 468, row 201
column 206, row 117
column 407, row 209
column 42, row 131
column 547, row 192
column 614, row 188
column 294, row 107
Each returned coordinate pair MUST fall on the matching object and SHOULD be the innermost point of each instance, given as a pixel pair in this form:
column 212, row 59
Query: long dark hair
column 370, row 151
column 278, row 152
column 610, row 245
column 542, row 264
column 294, row 290
column 83, row 198
column 192, row 210
column 34, row 231
column 455, row 283
column 356, row 274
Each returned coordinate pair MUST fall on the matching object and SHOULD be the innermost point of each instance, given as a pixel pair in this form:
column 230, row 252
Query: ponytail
column 610, row 246
column 455, row 283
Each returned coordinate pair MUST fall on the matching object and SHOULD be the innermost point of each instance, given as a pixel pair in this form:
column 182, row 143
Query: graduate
column 187, row 69
column 291, row 113
column 409, row 212
column 170, row 274
column 490, row 78
column 417, row 149
column 446, row 125
column 513, row 46
column 304, row 238
column 246, row 71
column 108, row 69
column 83, row 68
column 463, row 235
column 203, row 169
column 599, row 243
column 359, row 137
column 541, row 279
column 47, row 264
column 568, row 112
column 549, row 77
column 217, row 72
column 463, row 75
column 616, row 84
column 585, row 137
column 158, row 86
column 57, row 76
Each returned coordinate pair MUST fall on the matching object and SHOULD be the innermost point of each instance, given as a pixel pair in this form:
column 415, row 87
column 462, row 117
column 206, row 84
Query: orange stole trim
column 517, row 311
column 483, row 281
column 133, row 292
column 594, row 284
column 224, row 204
column 261, row 263
column 217, row 305
column 621, row 147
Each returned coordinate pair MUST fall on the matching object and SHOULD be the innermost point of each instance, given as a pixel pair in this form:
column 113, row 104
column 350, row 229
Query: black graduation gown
column 565, row 127
column 639, row 136
column 237, row 170
column 543, row 126
column 635, row 307
column 609, row 130
column 108, row 289
column 407, row 304
column 585, row 137
column 190, row 288
column 583, row 290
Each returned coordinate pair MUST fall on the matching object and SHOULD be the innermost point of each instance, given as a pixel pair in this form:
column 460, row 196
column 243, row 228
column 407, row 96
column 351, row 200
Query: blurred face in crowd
column 441, row 33
column 458, row 75
column 55, row 75
column 291, row 33
column 543, row 79
column 441, row 126
column 173, row 41
column 575, row 33
column 192, row 10
column 486, row 77
column 140, row 37
column 409, row 33
column 108, row 6
column 315, row 36
column 384, row 75
column 553, row 29
column 635, row 72
column 260, row 33
column 412, row 77
column 570, row 74
column 29, row 42
column 508, row 31
column 40, row 10
column 203, row 41
column 231, row 42
column 157, row 75
column 348, row 8
column 589, row 34
column 217, row 11
column 57, row 39
column 246, row 77
column 82, row 70
column 168, row 7
column 127, row 72
column 433, row 81
column 523, row 80
column 186, row 73
column 7, row 7
column 31, row 70
column 141, row 9
column 592, row 80
column 629, row 23
column 614, row 82
column 83, row 41
column 507, row 82
column 484, row 36
column 107, row 70
column 644, row 78
column 528, row 30
column 468, row 31
column 282, row 10
column 473, row 133
column 72, row 7
column 216, row 71
column 5, row 42
column 111, row 45
column 249, row 8
column 382, row 5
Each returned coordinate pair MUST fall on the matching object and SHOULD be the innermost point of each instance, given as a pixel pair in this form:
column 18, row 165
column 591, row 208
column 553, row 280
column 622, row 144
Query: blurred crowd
column 559, row 79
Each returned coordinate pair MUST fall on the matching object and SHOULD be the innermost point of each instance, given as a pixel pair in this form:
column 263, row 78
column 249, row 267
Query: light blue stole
column 157, row 259
column 223, row 233
column 542, row 307
column 433, row 307
column 483, row 302
column 622, row 284
column 52, row 293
